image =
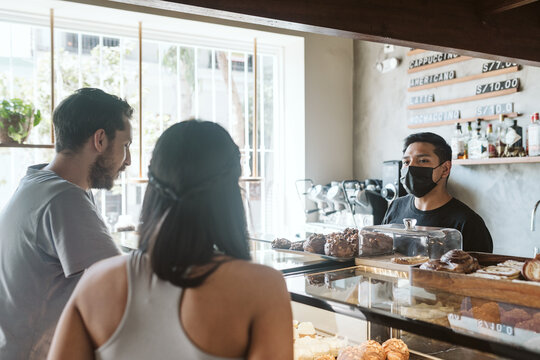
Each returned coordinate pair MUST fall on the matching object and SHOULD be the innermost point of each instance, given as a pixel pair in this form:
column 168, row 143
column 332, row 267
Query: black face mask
column 418, row 180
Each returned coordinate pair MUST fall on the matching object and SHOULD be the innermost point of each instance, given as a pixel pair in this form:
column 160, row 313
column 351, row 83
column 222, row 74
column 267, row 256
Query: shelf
column 245, row 179
column 415, row 52
column 439, row 64
column 495, row 161
column 465, row 79
column 27, row 146
column 464, row 120
column 463, row 99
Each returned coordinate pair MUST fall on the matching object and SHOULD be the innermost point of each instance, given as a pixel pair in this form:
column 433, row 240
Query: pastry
column 306, row 328
column 504, row 271
column 461, row 261
column 410, row 260
column 297, row 245
column 281, row 243
column 514, row 316
column 489, row 311
column 374, row 243
column 531, row 325
column 370, row 350
column 352, row 237
column 315, row 244
column 335, row 345
column 513, row 264
column 531, row 270
column 437, row 265
column 337, row 245
column 487, row 276
column 395, row 349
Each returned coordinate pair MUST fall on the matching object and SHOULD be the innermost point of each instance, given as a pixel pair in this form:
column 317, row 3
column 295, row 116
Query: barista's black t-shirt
column 454, row 214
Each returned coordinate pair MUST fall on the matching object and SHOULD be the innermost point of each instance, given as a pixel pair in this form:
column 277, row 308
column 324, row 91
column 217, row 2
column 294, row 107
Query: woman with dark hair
column 190, row 292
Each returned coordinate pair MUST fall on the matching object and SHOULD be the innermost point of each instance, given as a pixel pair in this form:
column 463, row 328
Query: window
column 188, row 74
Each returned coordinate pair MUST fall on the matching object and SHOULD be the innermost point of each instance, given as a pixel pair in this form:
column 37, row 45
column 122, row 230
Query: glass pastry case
column 361, row 305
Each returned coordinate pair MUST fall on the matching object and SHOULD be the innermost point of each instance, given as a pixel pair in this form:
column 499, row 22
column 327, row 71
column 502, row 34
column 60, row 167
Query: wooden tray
column 326, row 257
column 518, row 292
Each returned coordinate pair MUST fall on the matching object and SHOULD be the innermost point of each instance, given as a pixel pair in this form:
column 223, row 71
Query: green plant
column 16, row 120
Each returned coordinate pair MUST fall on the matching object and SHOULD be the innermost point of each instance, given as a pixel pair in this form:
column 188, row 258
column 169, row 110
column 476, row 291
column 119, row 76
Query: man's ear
column 100, row 141
column 447, row 166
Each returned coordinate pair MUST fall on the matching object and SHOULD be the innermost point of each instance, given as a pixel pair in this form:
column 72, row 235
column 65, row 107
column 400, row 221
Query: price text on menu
column 497, row 86
column 496, row 65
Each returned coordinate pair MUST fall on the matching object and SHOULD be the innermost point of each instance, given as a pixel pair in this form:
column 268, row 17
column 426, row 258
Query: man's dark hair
column 192, row 208
column 442, row 149
column 84, row 112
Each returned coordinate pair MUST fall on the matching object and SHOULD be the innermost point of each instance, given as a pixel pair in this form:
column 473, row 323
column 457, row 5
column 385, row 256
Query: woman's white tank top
column 150, row 327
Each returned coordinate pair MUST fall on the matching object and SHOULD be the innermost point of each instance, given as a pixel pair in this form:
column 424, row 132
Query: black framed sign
column 496, row 65
column 497, row 86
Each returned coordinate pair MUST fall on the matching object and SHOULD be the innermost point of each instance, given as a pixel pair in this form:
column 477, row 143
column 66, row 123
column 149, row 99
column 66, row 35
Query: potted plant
column 17, row 118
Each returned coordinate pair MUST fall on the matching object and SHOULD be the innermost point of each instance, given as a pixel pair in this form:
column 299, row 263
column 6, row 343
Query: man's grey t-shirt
column 50, row 232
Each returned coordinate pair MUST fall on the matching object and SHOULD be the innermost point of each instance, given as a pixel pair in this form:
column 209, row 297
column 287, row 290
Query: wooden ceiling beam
column 495, row 7
column 456, row 26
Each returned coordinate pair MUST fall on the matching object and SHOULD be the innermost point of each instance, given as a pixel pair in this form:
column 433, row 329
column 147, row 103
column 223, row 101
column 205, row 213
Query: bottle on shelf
column 467, row 136
column 519, row 130
column 492, row 150
column 500, row 133
column 513, row 141
column 533, row 136
column 458, row 144
column 478, row 146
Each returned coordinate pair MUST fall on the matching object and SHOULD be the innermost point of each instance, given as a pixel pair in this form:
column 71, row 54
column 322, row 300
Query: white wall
column 502, row 194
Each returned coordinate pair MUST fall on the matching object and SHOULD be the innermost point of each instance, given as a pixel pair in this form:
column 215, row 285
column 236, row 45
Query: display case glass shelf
column 476, row 326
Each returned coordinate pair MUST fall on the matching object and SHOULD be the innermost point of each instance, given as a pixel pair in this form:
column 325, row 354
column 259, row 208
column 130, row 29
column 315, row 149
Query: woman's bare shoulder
column 105, row 279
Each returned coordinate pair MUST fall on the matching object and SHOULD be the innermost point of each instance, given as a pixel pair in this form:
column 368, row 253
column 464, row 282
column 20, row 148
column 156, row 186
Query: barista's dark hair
column 193, row 209
column 442, row 149
column 84, row 112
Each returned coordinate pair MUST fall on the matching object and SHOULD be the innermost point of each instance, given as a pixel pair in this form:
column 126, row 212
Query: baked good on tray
column 281, row 243
column 395, row 349
column 457, row 261
column 369, row 350
column 410, row 260
column 531, row 270
column 297, row 245
column 375, row 243
column 504, row 272
column 462, row 262
column 315, row 244
column 338, row 245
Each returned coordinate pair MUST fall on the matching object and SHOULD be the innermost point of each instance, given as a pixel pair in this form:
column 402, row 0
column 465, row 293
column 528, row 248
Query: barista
column 426, row 168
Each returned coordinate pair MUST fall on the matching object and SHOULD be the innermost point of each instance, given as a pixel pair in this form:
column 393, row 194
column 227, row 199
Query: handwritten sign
column 495, row 109
column 430, row 79
column 497, row 86
column 431, row 59
column 496, row 65
column 434, row 117
column 422, row 99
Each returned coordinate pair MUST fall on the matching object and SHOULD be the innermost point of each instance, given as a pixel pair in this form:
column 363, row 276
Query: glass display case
column 361, row 305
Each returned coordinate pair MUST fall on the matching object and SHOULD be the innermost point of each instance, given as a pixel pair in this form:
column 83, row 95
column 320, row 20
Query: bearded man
column 51, row 229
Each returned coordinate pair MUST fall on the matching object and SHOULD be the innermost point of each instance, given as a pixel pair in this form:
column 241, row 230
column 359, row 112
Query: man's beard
column 102, row 175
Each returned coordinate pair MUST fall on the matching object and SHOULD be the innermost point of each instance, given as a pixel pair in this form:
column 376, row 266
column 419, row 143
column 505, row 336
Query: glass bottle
column 457, row 144
column 467, row 136
column 500, row 133
column 475, row 146
column 492, row 150
column 533, row 136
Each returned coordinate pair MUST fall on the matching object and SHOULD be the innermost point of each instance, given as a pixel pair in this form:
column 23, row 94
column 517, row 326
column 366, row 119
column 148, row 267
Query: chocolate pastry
column 531, row 270
column 461, row 261
column 297, row 245
column 409, row 260
column 338, row 245
column 351, row 234
column 315, row 244
column 281, row 243
column 437, row 265
column 374, row 243
column 395, row 349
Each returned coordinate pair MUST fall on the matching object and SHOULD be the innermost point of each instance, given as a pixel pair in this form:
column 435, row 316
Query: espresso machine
column 342, row 204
